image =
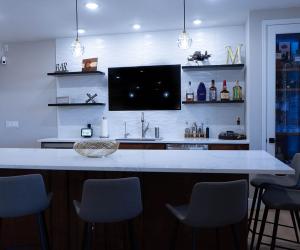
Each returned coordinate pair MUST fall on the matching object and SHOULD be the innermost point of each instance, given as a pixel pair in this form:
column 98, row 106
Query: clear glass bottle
column 224, row 94
column 237, row 92
column 213, row 92
column 189, row 93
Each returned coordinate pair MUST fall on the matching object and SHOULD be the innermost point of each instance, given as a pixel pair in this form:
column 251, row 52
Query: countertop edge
column 163, row 141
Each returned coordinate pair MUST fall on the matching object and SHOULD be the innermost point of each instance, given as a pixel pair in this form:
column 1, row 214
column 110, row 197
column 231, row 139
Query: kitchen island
column 166, row 176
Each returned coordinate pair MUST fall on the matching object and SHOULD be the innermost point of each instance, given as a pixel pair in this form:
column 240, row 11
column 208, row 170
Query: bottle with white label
column 224, row 93
column 189, row 97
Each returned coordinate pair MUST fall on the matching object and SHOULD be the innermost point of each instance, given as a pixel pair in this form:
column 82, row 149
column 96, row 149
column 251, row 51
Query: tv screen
column 145, row 88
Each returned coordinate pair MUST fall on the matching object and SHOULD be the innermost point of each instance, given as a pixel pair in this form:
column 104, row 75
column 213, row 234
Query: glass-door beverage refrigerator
column 287, row 128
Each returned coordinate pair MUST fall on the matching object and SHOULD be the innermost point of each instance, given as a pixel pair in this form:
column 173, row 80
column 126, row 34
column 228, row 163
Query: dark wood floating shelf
column 213, row 67
column 208, row 102
column 76, row 73
column 75, row 104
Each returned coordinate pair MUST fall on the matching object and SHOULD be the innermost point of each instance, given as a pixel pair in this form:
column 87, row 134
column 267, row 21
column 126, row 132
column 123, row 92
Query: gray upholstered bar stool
column 108, row 201
column 278, row 198
column 213, row 205
column 260, row 182
column 25, row 195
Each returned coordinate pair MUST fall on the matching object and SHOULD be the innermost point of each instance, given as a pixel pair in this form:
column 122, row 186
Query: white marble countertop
column 177, row 161
column 179, row 141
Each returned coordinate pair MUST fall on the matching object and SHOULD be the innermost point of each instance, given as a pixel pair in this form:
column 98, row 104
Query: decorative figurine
column 91, row 98
column 198, row 56
column 236, row 58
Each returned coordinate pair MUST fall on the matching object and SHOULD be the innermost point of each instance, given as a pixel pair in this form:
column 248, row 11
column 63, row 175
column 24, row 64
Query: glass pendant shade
column 77, row 48
column 184, row 40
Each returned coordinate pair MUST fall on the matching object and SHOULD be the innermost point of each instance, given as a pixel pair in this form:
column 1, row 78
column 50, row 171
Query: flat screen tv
column 145, row 88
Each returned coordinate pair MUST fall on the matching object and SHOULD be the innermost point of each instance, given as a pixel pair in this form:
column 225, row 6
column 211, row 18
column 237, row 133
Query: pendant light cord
column 76, row 20
column 183, row 15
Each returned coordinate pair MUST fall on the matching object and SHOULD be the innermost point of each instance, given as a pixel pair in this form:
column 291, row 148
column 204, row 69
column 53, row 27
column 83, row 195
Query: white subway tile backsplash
column 150, row 48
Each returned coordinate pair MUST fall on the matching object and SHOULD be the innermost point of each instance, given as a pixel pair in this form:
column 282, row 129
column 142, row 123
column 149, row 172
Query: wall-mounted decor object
column 199, row 57
column 184, row 41
column 91, row 98
column 63, row 100
column 61, row 67
column 235, row 58
column 89, row 64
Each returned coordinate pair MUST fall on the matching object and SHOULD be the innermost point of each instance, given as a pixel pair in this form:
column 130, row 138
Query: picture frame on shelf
column 63, row 100
column 89, row 64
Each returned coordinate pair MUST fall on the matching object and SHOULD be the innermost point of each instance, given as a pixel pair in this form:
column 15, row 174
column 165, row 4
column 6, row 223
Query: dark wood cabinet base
column 153, row 228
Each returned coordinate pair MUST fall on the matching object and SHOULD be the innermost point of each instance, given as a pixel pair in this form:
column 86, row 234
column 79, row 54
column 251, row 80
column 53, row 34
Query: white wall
column 25, row 91
column 254, row 67
column 149, row 49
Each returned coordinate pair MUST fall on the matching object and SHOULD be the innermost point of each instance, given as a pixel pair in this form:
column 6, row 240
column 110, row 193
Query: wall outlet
column 11, row 124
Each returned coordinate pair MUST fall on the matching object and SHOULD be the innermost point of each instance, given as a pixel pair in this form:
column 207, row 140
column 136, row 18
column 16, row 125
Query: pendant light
column 77, row 47
column 184, row 40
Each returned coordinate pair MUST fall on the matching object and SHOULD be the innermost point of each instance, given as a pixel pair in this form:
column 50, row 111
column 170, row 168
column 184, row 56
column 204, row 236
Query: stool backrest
column 22, row 195
column 110, row 200
column 217, row 204
column 296, row 166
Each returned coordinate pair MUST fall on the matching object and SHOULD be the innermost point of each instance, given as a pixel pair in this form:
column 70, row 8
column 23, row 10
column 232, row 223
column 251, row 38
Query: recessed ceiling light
column 197, row 21
column 81, row 31
column 136, row 26
column 92, row 5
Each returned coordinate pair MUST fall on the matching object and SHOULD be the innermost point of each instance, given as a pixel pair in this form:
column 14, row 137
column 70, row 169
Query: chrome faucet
column 144, row 129
column 125, row 131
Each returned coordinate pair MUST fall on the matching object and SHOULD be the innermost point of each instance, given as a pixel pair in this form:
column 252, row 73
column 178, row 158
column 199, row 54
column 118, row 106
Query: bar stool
column 108, row 201
column 213, row 205
column 25, row 195
column 278, row 198
column 260, row 182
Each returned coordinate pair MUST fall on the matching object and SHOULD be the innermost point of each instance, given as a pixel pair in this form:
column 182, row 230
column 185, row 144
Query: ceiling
column 29, row 20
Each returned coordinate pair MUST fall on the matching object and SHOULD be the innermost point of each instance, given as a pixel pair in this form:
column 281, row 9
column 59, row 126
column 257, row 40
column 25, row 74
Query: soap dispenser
column 87, row 132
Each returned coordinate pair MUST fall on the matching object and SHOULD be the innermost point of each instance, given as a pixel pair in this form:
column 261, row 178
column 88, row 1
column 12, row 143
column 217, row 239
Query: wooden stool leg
column 256, row 217
column 277, row 213
column 262, row 227
column 44, row 242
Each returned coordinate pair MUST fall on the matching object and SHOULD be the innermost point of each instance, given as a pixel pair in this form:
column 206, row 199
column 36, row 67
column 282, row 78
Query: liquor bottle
column 213, row 91
column 224, row 93
column 189, row 93
column 201, row 92
column 237, row 92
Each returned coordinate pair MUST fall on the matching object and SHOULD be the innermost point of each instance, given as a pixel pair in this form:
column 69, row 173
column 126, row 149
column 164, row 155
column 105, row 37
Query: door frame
column 265, row 25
